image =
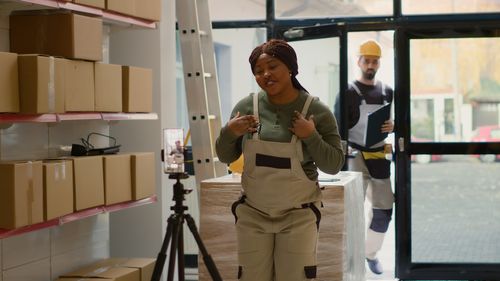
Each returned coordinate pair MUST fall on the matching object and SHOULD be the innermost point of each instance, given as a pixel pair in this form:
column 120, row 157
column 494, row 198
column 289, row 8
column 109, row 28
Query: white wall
column 136, row 232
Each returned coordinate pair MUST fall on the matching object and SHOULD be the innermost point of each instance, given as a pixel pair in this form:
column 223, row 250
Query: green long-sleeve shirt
column 321, row 150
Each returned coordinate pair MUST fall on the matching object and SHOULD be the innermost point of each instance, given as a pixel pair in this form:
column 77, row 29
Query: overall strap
column 255, row 111
column 304, row 112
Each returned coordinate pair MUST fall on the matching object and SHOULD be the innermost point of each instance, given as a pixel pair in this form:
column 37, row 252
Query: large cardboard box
column 57, row 33
column 98, row 272
column 143, row 175
column 108, row 87
column 126, row 7
column 92, row 3
column 41, row 84
column 88, row 182
column 117, row 178
column 9, row 83
column 148, row 9
column 144, row 265
column 57, row 188
column 21, row 194
column 341, row 242
column 80, row 92
column 137, row 89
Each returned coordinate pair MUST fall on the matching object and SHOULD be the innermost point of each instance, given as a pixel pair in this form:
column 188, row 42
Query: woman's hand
column 301, row 126
column 241, row 125
column 387, row 127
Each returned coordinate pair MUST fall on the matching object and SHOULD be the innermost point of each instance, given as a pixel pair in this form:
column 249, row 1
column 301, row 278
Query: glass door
column 448, row 151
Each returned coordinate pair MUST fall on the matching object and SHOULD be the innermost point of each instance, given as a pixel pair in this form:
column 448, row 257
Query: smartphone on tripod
column 173, row 150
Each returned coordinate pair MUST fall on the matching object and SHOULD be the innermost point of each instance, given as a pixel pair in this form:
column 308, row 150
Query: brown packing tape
column 51, row 89
column 98, row 271
column 30, row 193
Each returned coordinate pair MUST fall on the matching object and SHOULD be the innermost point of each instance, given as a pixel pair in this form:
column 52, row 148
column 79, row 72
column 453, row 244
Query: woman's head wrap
column 281, row 50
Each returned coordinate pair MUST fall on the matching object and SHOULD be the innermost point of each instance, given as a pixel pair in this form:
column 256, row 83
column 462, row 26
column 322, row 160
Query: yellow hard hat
column 370, row 48
column 237, row 166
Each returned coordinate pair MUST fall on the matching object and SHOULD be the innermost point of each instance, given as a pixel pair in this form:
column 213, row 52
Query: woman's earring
column 290, row 74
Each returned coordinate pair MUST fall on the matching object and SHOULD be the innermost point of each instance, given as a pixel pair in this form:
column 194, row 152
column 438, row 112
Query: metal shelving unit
column 59, row 117
column 108, row 16
column 4, row 233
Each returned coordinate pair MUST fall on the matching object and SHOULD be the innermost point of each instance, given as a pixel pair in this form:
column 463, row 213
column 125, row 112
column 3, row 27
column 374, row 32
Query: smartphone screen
column 173, row 149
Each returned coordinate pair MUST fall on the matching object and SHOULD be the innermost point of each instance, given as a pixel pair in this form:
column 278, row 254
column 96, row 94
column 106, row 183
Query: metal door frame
column 405, row 268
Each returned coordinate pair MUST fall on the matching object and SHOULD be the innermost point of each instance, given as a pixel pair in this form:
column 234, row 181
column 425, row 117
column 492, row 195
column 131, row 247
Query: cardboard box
column 144, row 265
column 102, row 272
column 92, row 3
column 21, row 194
column 80, row 95
column 57, row 188
column 148, row 9
column 126, row 7
column 57, row 33
column 9, row 83
column 41, row 84
column 117, row 178
column 143, row 175
column 108, row 87
column 137, row 89
column 88, row 181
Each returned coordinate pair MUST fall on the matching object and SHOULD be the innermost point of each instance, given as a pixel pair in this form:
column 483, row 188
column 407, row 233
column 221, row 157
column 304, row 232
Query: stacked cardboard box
column 143, row 175
column 42, row 84
column 21, row 193
column 146, row 9
column 57, row 188
column 92, row 3
column 120, row 269
column 117, row 178
column 59, row 69
column 137, row 86
column 35, row 191
column 9, row 89
column 63, row 34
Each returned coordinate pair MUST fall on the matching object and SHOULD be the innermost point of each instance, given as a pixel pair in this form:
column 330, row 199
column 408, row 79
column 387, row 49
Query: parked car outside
column 489, row 133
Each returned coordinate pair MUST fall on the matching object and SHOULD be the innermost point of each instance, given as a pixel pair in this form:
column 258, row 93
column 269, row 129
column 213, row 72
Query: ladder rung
column 212, row 117
column 202, row 32
column 207, row 75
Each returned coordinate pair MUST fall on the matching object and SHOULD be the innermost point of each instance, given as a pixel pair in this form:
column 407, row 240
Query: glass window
column 232, row 49
column 318, row 62
column 232, row 10
column 461, row 78
column 455, row 216
column 449, row 6
column 331, row 8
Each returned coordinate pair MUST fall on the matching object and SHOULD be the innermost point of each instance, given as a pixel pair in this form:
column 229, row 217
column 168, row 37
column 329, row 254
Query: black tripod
column 176, row 235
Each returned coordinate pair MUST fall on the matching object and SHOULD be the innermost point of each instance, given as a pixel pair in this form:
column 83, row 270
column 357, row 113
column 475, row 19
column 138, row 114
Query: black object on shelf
column 87, row 149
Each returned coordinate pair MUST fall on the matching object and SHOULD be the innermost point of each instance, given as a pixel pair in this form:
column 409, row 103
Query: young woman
column 285, row 135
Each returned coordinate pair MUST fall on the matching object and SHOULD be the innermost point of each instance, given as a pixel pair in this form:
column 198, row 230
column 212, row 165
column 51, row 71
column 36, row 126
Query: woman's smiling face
column 272, row 75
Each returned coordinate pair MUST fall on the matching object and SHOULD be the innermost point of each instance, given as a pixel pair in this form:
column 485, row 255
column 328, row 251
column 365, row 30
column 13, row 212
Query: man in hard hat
column 363, row 96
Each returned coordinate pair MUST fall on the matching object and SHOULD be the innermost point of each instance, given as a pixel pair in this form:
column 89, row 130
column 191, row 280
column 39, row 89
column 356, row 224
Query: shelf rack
column 4, row 233
column 108, row 16
column 59, row 117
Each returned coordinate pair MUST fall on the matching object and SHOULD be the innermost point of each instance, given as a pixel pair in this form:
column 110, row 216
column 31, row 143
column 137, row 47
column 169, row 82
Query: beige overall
column 277, row 221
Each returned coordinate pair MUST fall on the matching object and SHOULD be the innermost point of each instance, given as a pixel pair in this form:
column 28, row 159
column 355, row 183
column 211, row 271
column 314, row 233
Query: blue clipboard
column 373, row 135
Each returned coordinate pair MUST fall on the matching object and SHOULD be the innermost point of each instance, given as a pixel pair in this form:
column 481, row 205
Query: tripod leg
column 180, row 253
column 162, row 256
column 209, row 262
column 173, row 247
